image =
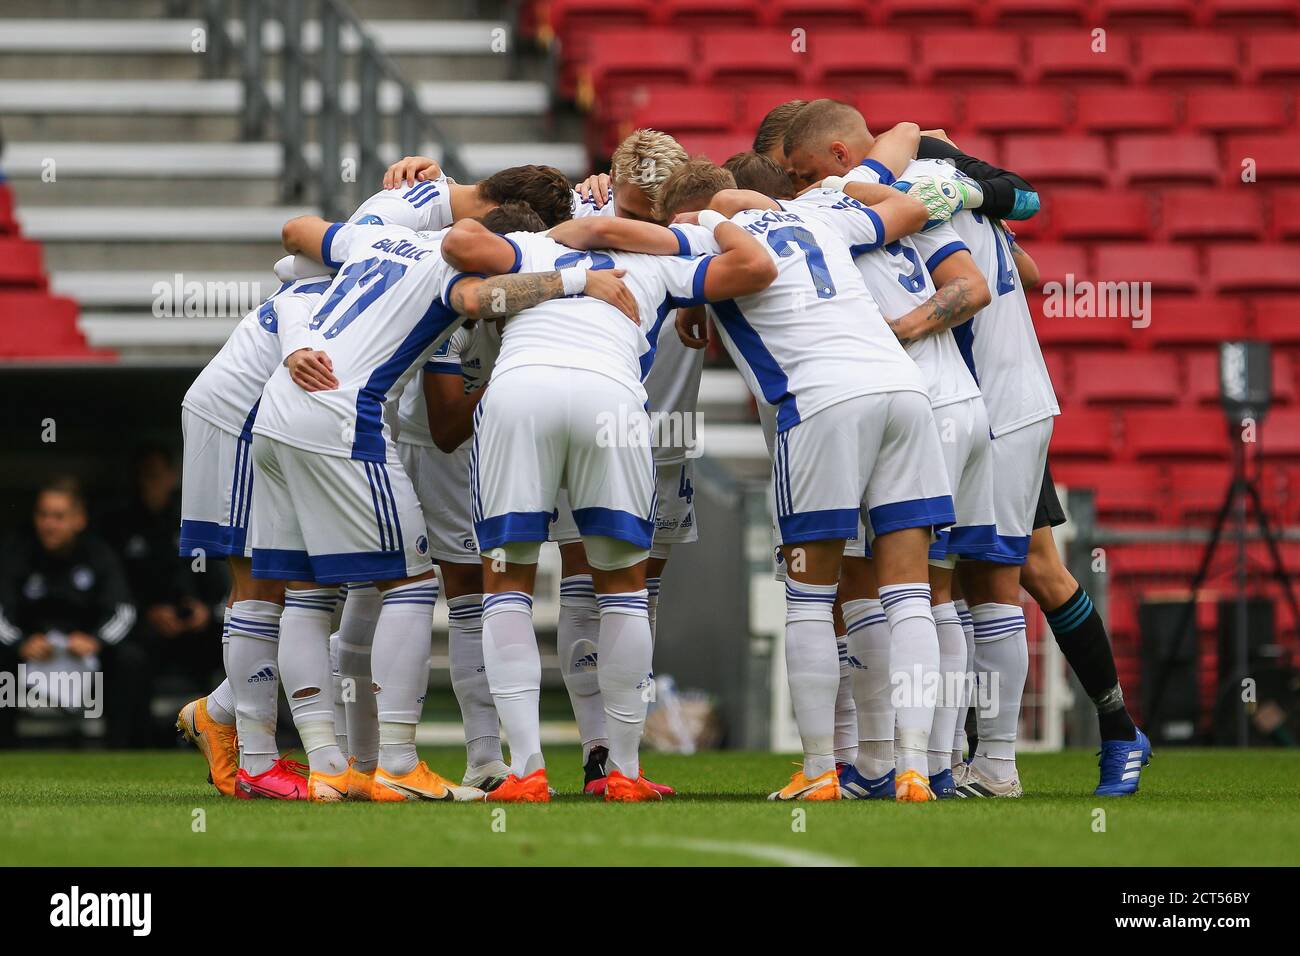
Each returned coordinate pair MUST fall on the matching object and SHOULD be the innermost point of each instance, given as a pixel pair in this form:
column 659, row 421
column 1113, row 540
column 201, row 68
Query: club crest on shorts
column 422, row 545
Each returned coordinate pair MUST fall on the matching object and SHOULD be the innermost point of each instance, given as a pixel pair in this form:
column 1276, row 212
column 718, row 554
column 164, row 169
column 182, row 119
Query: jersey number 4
column 372, row 277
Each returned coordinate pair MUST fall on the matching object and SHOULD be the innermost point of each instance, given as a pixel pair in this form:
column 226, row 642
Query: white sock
column 846, row 715
column 252, row 661
column 868, row 639
column 1002, row 658
column 625, row 675
column 813, row 670
column 469, row 679
column 652, row 603
column 959, row 739
column 576, row 635
column 340, row 712
column 399, row 662
column 913, row 670
column 514, row 673
column 952, row 686
column 307, row 674
column 356, row 638
column 221, row 703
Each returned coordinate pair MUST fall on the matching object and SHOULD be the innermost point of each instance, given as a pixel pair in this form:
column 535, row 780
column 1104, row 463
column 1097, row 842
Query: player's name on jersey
column 175, row 297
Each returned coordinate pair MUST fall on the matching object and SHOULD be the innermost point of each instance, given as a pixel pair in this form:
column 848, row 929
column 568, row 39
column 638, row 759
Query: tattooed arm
column 963, row 291
column 505, row 295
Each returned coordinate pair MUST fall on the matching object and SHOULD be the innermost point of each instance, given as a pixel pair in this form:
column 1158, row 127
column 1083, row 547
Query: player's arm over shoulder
column 305, row 235
column 469, row 246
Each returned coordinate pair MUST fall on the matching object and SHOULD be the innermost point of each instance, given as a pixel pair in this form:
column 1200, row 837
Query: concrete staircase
column 127, row 164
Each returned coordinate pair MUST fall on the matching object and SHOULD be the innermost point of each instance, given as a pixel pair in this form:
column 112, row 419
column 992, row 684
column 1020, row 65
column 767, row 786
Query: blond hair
column 646, row 159
column 692, row 185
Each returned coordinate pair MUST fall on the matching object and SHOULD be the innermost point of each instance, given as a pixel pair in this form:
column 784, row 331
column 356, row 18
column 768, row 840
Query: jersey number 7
column 372, row 277
column 781, row 240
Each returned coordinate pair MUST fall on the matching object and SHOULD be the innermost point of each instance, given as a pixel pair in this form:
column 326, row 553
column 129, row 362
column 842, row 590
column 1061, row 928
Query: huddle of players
column 869, row 444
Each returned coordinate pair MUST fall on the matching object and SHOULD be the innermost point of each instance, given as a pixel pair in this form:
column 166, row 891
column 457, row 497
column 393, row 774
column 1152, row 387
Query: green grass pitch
column 1196, row 808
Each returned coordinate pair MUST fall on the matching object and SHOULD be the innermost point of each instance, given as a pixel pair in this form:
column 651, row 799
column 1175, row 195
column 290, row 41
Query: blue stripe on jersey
column 683, row 244
column 267, row 320
column 325, row 244
column 943, row 252
column 886, row 177
column 772, row 379
column 519, row 254
column 368, row 444
column 876, row 221
column 965, row 336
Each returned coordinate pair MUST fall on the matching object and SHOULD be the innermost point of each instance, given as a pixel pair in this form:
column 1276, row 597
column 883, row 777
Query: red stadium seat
column 1099, row 214
column 1275, row 320
column 1273, row 57
column 1058, row 160
column 684, row 109
column 859, row 56
column 977, row 145
column 718, row 147
column 1196, row 490
column 1279, row 436
column 7, row 224
column 707, row 14
column 738, row 57
column 1187, row 57
column 640, row 56
column 1212, row 214
column 1126, row 111
column 1166, row 160
column 757, row 101
column 1083, row 433
column 1068, row 56
column 39, row 325
column 1236, row 110
column 1285, row 205
column 561, row 17
column 20, row 264
column 1169, row 268
column 1121, row 492
column 1058, row 371
column 1254, row 268
column 1180, row 433
column 1056, row 260
column 902, row 13
column 1116, row 13
column 1203, row 379
column 1022, row 14
column 1250, row 13
column 816, row 14
column 1277, row 157
column 1194, row 320
column 1101, row 379
column 1015, row 111
column 948, row 57
column 932, row 109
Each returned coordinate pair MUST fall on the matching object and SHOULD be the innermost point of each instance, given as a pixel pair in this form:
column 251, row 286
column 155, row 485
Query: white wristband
column 834, row 182
column 711, row 219
column 574, row 279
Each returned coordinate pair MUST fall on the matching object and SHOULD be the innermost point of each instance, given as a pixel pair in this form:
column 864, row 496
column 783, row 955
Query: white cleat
column 974, row 783
column 486, row 777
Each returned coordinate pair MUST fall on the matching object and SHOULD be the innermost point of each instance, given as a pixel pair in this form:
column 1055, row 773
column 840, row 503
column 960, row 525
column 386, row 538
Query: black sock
column 1082, row 638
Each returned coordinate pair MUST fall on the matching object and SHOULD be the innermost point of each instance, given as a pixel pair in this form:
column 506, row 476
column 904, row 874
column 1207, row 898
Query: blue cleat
column 855, row 786
column 1121, row 766
column 942, row 784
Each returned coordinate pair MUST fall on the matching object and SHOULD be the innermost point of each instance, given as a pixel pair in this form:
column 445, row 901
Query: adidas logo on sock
column 586, row 660
column 265, row 674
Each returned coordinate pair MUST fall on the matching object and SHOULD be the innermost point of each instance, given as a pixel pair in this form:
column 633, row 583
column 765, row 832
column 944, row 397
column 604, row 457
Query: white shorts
column 334, row 520
column 540, row 429
column 963, row 430
column 877, row 454
column 441, row 483
column 674, row 512
column 216, row 489
column 1019, row 458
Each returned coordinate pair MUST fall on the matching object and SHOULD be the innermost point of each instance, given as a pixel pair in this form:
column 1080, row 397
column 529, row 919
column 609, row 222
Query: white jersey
column 227, row 391
column 898, row 276
column 584, row 332
column 999, row 344
column 815, row 337
column 470, row 353
column 382, row 317
column 672, row 371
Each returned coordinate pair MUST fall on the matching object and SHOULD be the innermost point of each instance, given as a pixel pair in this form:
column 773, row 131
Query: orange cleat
column 530, row 789
column 217, row 742
column 825, row 787
column 620, row 788
column 911, row 787
column 281, row 782
column 328, row 787
column 420, row 784
column 361, row 783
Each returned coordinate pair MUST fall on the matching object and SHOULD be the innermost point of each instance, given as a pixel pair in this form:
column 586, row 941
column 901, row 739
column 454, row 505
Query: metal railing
column 376, row 100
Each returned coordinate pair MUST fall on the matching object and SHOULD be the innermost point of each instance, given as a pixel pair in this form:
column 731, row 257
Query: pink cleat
column 282, row 782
